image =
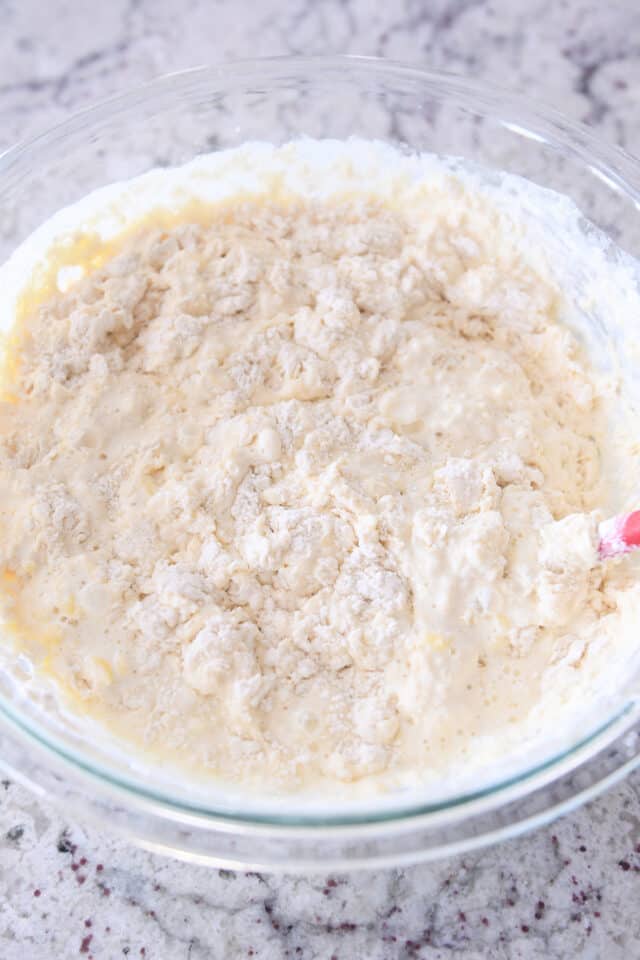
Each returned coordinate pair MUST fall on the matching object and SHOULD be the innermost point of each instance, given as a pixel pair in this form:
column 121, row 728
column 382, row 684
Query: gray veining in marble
column 570, row 890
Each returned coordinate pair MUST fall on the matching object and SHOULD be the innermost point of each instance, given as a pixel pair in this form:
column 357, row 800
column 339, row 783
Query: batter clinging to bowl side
column 304, row 493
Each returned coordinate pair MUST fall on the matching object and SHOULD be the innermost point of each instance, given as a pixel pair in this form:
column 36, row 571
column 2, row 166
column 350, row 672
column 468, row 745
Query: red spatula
column 619, row 535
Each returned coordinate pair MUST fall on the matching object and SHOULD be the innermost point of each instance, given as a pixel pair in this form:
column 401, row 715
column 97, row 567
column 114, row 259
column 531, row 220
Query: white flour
column 309, row 493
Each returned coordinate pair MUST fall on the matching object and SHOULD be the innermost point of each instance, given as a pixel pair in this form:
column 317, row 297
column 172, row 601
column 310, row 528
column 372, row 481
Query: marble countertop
column 568, row 890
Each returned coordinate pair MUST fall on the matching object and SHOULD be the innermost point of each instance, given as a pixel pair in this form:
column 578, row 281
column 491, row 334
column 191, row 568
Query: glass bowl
column 166, row 123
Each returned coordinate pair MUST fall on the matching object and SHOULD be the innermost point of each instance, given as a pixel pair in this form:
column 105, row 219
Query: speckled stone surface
column 570, row 890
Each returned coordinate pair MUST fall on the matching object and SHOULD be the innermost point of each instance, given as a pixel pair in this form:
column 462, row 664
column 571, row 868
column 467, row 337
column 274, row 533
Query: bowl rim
column 456, row 84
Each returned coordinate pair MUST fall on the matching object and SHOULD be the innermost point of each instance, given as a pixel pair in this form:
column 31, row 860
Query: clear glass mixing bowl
column 168, row 122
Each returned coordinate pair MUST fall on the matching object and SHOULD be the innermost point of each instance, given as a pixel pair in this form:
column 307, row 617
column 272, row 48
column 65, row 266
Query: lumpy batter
column 304, row 493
